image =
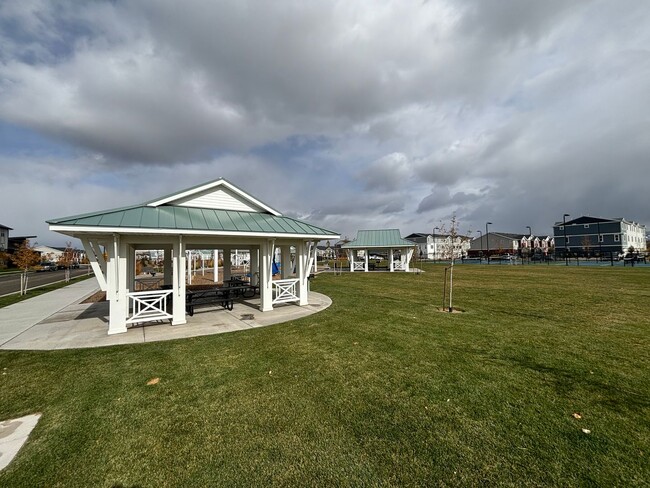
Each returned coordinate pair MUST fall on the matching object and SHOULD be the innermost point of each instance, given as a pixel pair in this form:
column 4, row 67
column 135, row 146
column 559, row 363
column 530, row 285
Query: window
column 617, row 238
column 561, row 227
column 586, row 226
column 601, row 239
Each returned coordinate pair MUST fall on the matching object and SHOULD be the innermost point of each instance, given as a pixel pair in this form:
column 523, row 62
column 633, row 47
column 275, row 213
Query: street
column 10, row 282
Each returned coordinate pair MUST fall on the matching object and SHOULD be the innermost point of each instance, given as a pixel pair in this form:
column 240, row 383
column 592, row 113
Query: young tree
column 452, row 249
column 66, row 259
column 24, row 258
column 4, row 258
column 586, row 245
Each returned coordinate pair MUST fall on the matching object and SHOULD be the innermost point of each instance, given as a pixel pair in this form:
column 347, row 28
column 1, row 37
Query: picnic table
column 223, row 296
column 210, row 296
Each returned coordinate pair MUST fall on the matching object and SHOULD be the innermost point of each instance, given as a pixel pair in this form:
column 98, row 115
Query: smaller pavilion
column 379, row 241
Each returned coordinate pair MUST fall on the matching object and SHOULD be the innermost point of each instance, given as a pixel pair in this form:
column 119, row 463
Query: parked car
column 46, row 266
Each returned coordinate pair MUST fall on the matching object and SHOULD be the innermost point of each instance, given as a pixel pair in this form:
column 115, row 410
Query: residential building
column 586, row 236
column 531, row 244
column 436, row 246
column 4, row 237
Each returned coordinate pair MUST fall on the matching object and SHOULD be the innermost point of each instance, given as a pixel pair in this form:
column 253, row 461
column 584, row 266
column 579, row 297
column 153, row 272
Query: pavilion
column 386, row 240
column 213, row 215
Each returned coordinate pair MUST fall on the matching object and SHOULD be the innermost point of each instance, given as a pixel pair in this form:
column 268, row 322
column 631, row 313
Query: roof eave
column 77, row 229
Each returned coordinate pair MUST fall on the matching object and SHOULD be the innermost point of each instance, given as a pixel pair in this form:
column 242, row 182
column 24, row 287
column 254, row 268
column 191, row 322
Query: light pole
column 600, row 244
column 434, row 243
column 566, row 256
column 528, row 247
column 481, row 246
column 487, row 241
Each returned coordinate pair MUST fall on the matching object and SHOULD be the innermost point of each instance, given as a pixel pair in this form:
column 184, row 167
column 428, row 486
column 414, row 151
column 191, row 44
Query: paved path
column 58, row 320
column 10, row 282
column 16, row 319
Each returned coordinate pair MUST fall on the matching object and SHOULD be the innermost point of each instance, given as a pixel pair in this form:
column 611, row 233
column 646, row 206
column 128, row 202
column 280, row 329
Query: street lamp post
column 434, row 243
column 487, row 241
column 566, row 256
column 529, row 249
column 481, row 245
column 600, row 244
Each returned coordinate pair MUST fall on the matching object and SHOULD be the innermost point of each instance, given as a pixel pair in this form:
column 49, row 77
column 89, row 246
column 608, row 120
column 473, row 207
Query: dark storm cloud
column 353, row 114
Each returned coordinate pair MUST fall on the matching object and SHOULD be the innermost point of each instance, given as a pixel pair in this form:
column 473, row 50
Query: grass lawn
column 378, row 390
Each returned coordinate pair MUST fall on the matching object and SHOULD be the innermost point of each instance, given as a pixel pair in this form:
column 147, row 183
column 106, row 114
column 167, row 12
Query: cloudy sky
column 348, row 114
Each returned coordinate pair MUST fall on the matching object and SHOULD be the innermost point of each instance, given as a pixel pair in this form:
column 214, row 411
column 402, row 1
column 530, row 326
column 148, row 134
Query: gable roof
column 219, row 194
column 372, row 239
column 224, row 210
column 585, row 219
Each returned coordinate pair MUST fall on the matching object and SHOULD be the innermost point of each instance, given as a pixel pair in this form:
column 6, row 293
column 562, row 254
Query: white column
column 302, row 273
column 351, row 253
column 178, row 285
column 409, row 255
column 167, row 266
column 315, row 257
column 216, row 265
column 287, row 268
column 130, row 267
column 255, row 266
column 366, row 255
column 227, row 263
column 390, row 261
column 117, row 275
column 266, row 287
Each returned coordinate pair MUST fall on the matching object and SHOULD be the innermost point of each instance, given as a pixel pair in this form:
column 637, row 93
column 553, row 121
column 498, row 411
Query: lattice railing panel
column 148, row 306
column 285, row 291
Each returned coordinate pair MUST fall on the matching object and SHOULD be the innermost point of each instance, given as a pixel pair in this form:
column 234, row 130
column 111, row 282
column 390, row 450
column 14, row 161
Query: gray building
column 495, row 243
column 587, row 236
column 4, row 237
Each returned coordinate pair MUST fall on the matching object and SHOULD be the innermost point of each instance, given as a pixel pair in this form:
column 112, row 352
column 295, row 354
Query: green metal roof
column 188, row 218
column 372, row 239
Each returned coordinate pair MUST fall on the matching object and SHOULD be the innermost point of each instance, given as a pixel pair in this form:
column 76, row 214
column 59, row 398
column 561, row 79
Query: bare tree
column 66, row 259
column 452, row 249
column 24, row 258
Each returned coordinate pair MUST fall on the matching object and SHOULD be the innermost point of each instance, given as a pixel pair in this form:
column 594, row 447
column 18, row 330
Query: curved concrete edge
column 76, row 327
column 13, row 434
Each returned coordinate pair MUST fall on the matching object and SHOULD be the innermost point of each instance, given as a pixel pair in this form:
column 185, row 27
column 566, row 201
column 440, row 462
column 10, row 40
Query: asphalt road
column 10, row 282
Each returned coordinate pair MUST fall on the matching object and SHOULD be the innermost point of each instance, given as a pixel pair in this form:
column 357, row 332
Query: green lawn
column 378, row 390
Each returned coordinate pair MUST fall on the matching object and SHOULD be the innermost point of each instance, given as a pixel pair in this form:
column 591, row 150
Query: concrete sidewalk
column 58, row 320
column 19, row 317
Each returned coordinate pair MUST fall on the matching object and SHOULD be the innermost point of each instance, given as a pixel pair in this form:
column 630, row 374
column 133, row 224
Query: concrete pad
column 13, row 434
column 80, row 325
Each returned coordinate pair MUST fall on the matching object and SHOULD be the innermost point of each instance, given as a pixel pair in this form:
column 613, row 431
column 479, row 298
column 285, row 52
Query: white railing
column 399, row 265
column 285, row 291
column 148, row 306
column 359, row 266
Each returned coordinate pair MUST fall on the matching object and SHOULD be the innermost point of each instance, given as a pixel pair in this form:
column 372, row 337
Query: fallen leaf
column 576, row 415
column 586, row 431
column 153, row 381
